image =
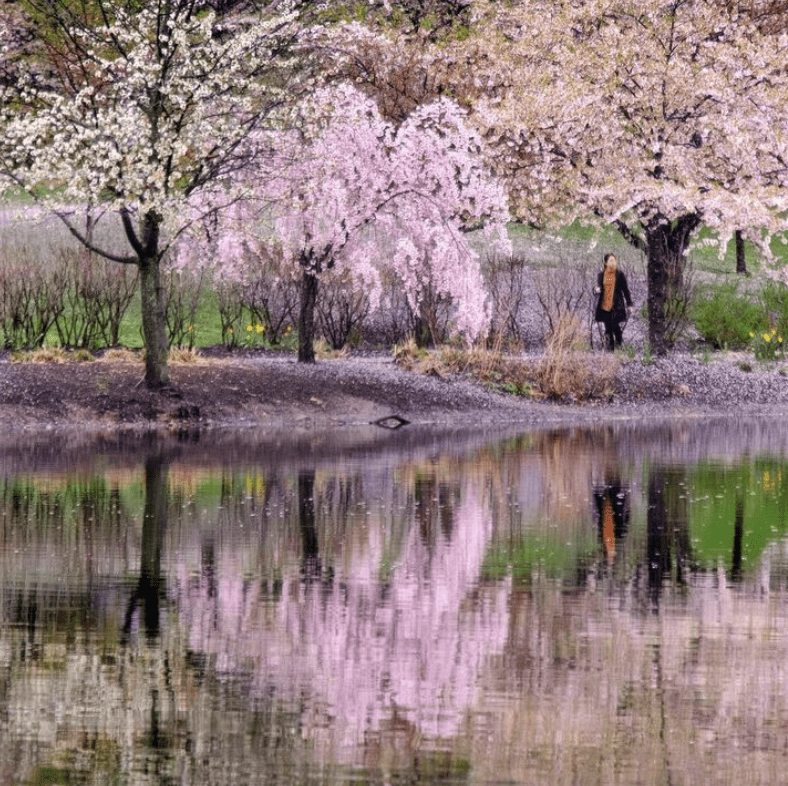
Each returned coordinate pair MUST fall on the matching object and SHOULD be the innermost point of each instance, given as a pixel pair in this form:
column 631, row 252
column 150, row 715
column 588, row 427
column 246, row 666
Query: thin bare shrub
column 567, row 372
column 391, row 322
column 396, row 320
column 30, row 299
column 96, row 295
column 566, row 291
column 432, row 320
column 682, row 291
column 273, row 296
column 341, row 308
column 507, row 280
column 229, row 297
column 183, row 291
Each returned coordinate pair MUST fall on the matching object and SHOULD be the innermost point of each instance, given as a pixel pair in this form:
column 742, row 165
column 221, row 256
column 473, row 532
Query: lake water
column 558, row 606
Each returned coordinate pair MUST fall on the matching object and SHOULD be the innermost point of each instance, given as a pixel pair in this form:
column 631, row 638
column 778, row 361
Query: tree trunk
column 665, row 244
column 741, row 259
column 306, row 318
column 154, row 323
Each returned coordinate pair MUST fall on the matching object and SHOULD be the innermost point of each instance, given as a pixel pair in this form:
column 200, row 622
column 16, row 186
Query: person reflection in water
column 612, row 516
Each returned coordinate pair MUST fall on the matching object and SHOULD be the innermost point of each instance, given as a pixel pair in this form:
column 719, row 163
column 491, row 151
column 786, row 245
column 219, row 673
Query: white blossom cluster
column 638, row 112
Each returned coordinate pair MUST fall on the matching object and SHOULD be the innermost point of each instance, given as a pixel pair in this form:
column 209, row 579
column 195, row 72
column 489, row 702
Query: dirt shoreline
column 273, row 392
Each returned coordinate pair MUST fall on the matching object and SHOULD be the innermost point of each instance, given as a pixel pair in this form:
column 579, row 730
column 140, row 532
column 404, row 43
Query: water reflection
column 558, row 606
column 668, row 540
column 612, row 504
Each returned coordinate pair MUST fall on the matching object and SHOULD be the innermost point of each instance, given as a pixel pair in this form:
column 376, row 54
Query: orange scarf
column 608, row 289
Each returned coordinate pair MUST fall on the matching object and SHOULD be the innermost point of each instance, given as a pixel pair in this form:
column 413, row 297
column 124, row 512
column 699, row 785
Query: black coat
column 621, row 298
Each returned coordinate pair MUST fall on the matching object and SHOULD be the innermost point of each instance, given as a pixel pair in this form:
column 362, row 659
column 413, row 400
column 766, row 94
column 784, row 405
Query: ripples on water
column 590, row 606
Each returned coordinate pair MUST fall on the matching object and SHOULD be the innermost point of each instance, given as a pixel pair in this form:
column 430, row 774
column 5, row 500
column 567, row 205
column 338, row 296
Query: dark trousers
column 613, row 336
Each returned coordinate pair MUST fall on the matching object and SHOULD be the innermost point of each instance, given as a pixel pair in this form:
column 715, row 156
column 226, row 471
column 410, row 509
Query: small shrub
column 568, row 332
column 507, row 283
column 680, row 299
column 725, row 318
column 341, row 308
column 30, row 299
column 768, row 345
column 774, row 296
column 565, row 291
column 96, row 294
column 183, row 291
column 396, row 320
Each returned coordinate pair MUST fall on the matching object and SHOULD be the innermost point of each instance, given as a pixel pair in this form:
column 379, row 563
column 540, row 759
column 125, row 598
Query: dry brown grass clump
column 122, row 355
column 567, row 371
column 52, row 355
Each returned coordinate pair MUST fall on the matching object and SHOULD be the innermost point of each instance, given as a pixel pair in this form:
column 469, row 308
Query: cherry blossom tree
column 131, row 109
column 354, row 193
column 659, row 118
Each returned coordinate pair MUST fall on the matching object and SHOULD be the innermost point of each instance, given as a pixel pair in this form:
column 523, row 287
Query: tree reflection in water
column 668, row 549
column 150, row 586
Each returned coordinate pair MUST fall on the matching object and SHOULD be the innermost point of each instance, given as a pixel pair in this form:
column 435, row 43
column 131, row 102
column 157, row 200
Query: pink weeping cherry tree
column 348, row 191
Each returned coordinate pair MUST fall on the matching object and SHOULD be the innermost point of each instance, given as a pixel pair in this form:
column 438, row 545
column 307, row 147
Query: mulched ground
column 274, row 391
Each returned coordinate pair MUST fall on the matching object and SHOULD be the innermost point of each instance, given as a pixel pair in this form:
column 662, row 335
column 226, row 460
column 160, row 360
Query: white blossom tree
column 357, row 193
column 130, row 109
column 655, row 117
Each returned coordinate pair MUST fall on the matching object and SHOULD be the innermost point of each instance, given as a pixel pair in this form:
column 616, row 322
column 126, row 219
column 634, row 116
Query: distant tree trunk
column 306, row 319
column 741, row 260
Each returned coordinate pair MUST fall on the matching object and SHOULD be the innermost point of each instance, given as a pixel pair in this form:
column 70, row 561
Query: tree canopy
column 654, row 117
column 352, row 191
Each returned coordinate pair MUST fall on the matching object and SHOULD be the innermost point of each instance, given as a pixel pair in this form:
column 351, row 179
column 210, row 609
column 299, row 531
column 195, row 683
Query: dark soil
column 233, row 390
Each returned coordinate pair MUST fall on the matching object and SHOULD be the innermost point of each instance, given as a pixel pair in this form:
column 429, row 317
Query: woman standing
column 614, row 300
